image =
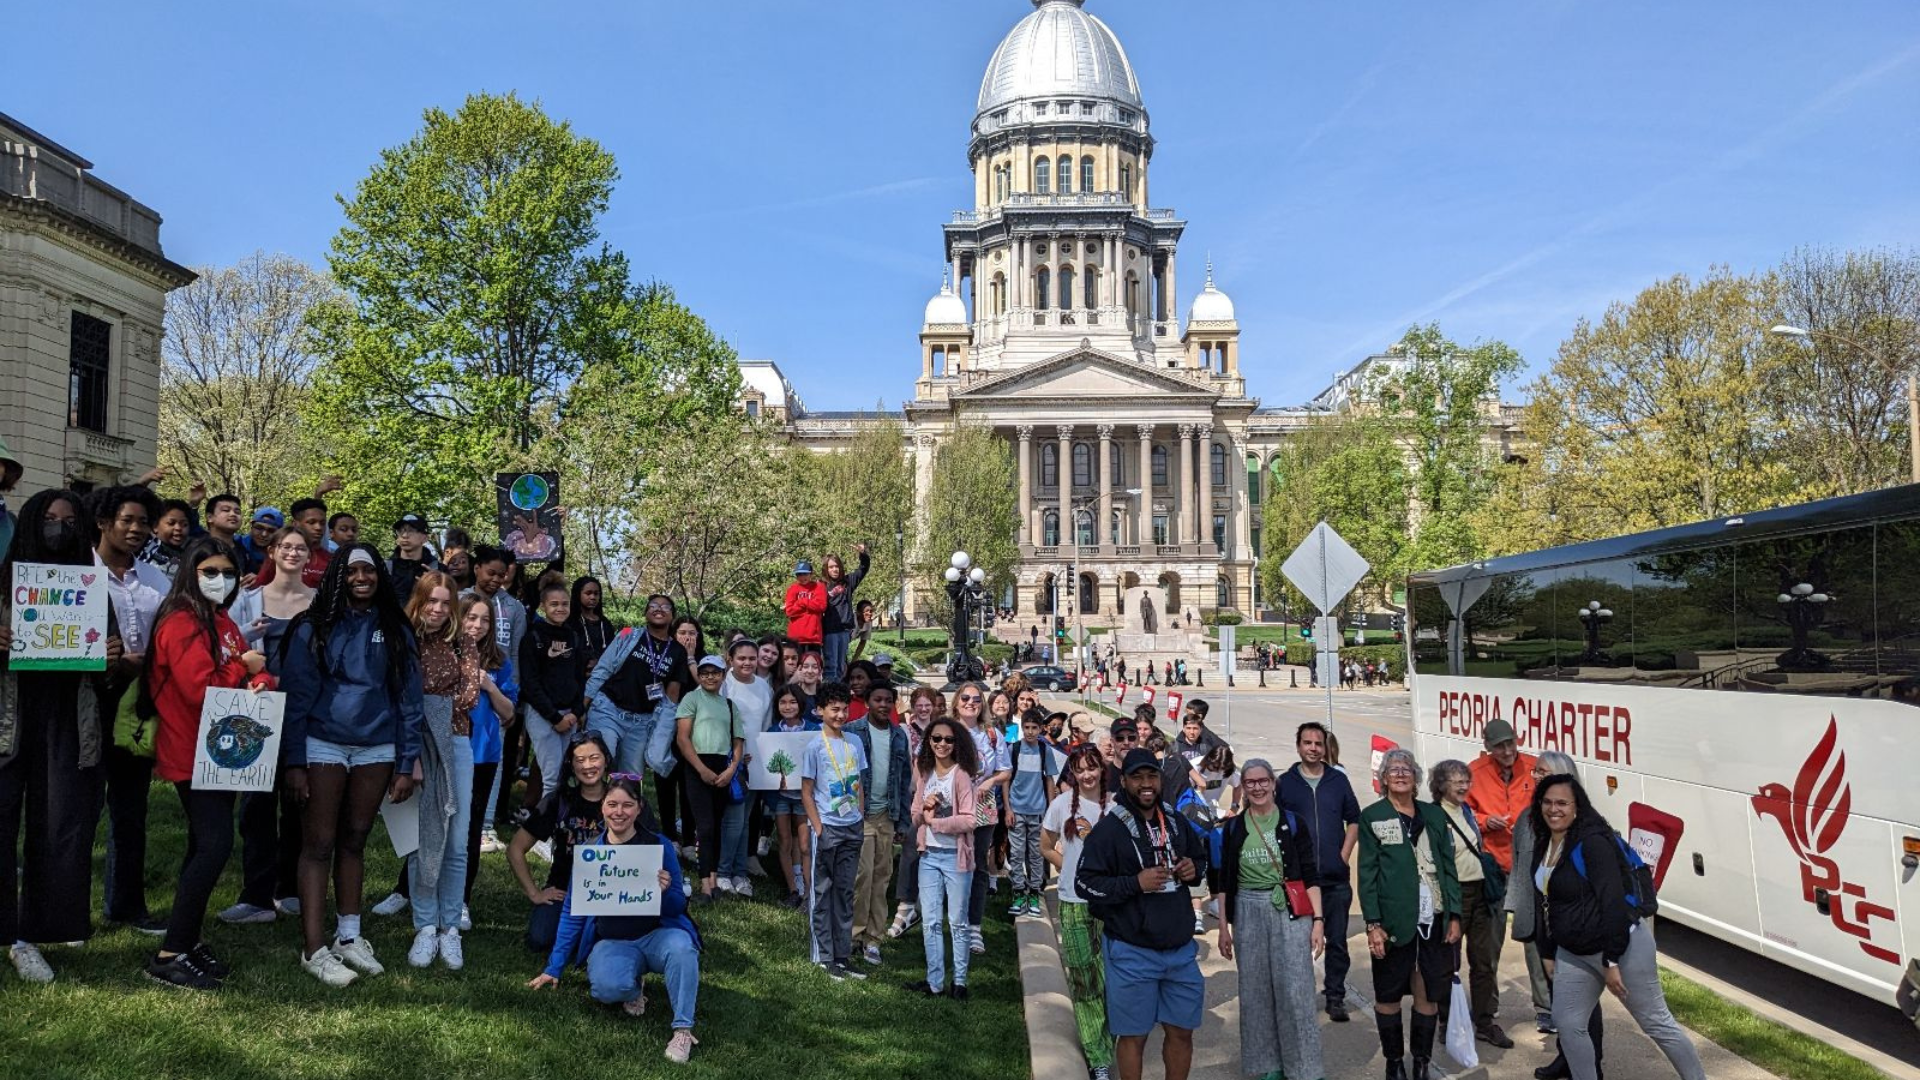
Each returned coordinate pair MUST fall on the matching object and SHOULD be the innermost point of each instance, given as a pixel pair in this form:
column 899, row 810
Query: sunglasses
column 211, row 574
column 634, row 777
column 967, row 698
column 948, row 739
column 1126, row 736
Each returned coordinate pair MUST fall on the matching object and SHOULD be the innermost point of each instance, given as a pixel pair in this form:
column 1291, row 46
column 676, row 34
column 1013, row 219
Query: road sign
column 1227, row 650
column 1326, row 665
column 1325, row 568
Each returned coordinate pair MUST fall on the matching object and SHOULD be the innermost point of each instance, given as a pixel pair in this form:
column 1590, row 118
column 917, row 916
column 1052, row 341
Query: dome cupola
column 1212, row 305
column 946, row 308
column 1059, row 61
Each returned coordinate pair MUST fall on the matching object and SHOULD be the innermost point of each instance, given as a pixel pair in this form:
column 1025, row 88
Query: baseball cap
column 1137, row 760
column 712, row 662
column 411, row 521
column 1122, row 725
column 881, row 659
column 802, row 567
column 1081, row 723
column 1497, row 732
column 270, row 515
column 1060, row 715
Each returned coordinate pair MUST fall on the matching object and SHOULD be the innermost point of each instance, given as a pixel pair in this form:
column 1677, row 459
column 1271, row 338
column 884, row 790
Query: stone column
column 1182, row 493
column 1103, row 526
column 1143, row 510
column 1067, row 532
column 1240, row 538
column 1205, row 449
column 1173, row 299
column 1025, row 431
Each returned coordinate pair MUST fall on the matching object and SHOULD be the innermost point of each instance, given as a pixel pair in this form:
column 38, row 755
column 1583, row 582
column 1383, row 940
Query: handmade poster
column 529, row 505
column 1173, row 706
column 775, row 755
column 403, row 824
column 616, row 879
column 239, row 744
column 1381, row 744
column 59, row 618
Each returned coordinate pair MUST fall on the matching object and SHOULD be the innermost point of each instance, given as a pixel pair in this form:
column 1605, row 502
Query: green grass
column 1774, row 1047
column 763, row 1010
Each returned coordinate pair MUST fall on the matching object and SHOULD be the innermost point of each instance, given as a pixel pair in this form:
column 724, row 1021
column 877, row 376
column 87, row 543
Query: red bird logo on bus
column 1813, row 815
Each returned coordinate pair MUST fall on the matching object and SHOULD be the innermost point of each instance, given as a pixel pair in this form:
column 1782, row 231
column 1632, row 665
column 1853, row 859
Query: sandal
column 636, row 1007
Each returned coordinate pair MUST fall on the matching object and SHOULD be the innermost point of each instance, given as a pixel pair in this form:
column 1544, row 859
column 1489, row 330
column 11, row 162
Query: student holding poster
column 619, row 950
column 195, row 646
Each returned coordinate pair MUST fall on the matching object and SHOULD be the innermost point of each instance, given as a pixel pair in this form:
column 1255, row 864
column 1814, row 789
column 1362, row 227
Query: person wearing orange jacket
column 196, row 646
column 806, row 607
column 1502, row 789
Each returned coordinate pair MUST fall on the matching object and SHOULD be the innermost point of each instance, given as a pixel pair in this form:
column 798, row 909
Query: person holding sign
column 196, row 646
column 619, row 950
column 51, row 734
column 354, row 712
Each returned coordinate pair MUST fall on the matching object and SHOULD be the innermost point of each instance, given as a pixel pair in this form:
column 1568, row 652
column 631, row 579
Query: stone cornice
column 163, row 272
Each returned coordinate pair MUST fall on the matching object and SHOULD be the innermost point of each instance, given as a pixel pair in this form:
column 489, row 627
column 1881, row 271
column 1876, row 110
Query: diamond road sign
column 1325, row 568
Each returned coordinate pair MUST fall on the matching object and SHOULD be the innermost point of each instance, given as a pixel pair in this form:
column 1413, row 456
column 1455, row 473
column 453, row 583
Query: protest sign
column 239, row 744
column 776, row 755
column 59, row 618
column 616, row 879
column 529, row 508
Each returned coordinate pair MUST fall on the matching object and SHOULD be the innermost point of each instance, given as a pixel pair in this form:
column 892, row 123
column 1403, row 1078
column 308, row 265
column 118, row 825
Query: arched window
column 1089, row 592
column 1218, row 456
column 1090, row 289
column 1082, row 465
column 1050, row 528
column 1113, row 527
column 998, row 294
column 1116, row 466
column 1126, row 179
column 1220, row 532
column 1133, row 294
column 1066, row 288
column 1253, row 481
column 1159, row 466
column 1086, row 174
column 1049, row 465
column 1222, row 593
column 1041, row 169
column 1041, row 284
column 1066, row 175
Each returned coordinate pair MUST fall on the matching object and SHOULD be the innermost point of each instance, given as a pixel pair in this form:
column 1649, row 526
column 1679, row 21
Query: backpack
column 1639, row 878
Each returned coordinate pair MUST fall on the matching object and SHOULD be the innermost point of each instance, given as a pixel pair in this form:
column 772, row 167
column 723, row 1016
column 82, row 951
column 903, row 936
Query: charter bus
column 1740, row 697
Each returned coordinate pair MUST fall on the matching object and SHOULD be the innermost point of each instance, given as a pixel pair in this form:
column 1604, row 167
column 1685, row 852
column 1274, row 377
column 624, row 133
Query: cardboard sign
column 775, row 754
column 239, row 744
column 59, row 618
column 1381, row 744
column 1173, row 705
column 529, row 508
column 616, row 879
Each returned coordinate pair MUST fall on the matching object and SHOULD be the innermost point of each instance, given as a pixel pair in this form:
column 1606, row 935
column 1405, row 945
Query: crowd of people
column 428, row 673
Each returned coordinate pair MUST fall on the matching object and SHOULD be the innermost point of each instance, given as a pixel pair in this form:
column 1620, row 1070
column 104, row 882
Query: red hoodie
column 182, row 672
column 805, row 606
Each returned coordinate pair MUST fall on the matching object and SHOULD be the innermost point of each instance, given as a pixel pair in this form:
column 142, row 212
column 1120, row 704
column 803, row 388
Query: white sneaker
column 326, row 967
column 451, row 953
column 425, row 944
column 394, row 904
column 358, row 955
column 766, row 845
column 979, row 943
column 30, row 964
column 542, row 851
column 723, row 884
column 466, row 919
column 288, row 906
column 490, row 842
column 743, row 887
column 872, row 955
column 244, row 914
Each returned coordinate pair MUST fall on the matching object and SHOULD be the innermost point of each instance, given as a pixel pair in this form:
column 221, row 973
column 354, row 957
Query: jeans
column 549, row 750
column 871, row 915
column 626, row 734
column 943, row 903
column 615, row 968
column 440, row 906
column 1335, row 901
column 836, row 865
column 834, row 644
column 1577, row 985
column 124, row 890
column 1024, row 860
column 543, row 925
column 733, row 836
column 209, row 844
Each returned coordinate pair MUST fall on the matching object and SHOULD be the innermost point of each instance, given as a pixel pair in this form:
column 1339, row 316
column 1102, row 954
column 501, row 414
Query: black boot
column 1392, row 1044
column 1423, row 1028
column 1557, row 1069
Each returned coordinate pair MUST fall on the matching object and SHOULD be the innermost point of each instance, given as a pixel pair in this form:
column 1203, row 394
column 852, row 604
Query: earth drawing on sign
column 235, row 742
column 529, row 492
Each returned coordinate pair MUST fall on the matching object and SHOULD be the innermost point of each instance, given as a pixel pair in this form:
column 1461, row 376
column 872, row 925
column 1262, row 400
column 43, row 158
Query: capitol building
column 1140, row 458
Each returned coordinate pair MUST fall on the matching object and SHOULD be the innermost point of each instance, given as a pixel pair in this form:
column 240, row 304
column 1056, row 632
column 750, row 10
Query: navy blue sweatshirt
column 1325, row 812
column 343, row 697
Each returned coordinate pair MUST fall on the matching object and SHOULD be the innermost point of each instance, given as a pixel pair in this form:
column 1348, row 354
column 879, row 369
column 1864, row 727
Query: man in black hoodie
column 1134, row 870
column 837, row 623
column 411, row 556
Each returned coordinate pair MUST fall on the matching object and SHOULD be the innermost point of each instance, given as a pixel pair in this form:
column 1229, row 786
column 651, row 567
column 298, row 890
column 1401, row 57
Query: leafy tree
column 1347, row 471
column 970, row 506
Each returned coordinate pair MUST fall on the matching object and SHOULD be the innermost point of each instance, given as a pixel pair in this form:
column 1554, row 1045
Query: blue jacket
column 343, row 697
column 575, row 937
column 899, row 771
column 1325, row 812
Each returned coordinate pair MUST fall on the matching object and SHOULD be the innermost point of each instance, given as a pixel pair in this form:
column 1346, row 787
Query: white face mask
column 218, row 587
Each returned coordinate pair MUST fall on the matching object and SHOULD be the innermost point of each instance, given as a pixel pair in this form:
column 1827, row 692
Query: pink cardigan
column 959, row 823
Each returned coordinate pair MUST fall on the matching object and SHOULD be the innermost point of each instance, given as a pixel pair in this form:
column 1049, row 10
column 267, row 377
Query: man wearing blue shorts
column 1134, row 870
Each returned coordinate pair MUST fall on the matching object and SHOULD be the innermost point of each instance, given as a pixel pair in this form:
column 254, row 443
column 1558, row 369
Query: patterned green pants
column 1086, row 981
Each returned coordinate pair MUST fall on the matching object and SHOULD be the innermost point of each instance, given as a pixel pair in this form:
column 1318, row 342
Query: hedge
column 1394, row 656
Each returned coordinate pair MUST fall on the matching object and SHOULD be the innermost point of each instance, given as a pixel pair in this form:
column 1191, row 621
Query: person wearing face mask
column 196, row 646
column 53, row 725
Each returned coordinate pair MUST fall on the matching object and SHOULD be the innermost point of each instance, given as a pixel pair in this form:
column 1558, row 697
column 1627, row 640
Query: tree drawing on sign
column 782, row 766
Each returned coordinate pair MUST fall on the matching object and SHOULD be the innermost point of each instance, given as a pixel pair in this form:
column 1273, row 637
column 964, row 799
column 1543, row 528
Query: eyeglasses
column 1263, row 782
column 1126, row 736
column 947, row 739
column 965, row 699
column 1399, row 771
column 635, row 777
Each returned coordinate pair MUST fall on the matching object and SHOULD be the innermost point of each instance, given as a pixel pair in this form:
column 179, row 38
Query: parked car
column 1047, row 677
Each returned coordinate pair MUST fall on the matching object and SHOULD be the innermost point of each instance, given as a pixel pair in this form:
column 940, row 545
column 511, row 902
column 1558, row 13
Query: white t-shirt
column 752, row 700
column 942, row 787
column 1055, row 822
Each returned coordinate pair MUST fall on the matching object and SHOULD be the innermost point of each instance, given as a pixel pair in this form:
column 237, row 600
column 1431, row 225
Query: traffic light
column 1306, row 631
column 1399, row 622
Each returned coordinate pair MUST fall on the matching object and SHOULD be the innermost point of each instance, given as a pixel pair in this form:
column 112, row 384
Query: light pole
column 1593, row 616
column 964, row 588
column 1913, row 386
column 1803, row 607
column 900, row 542
column 1073, row 573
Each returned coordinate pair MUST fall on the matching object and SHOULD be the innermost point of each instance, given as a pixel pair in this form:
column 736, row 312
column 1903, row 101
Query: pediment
column 1087, row 373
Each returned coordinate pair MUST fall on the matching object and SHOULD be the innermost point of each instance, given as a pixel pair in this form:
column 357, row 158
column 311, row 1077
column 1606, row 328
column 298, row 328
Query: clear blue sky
column 1504, row 168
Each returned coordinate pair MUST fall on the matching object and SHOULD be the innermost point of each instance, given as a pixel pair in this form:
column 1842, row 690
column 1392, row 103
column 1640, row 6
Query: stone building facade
column 83, row 287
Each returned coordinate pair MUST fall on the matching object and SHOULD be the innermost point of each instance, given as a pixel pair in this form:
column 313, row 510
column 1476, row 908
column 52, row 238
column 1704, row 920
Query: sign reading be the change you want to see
column 59, row 618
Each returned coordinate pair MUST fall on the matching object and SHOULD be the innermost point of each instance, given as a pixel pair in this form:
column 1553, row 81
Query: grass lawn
column 763, row 1010
column 1774, row 1047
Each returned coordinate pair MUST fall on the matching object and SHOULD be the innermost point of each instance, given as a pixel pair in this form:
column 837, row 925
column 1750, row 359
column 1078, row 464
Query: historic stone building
column 83, row 288
column 1141, row 459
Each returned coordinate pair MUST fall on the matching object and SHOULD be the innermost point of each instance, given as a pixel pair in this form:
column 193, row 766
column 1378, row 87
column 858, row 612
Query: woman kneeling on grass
column 619, row 951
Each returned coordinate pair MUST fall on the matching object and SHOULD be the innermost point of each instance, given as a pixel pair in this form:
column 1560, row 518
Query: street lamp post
column 1913, row 387
column 1593, row 616
column 965, row 589
column 1803, row 608
column 900, row 542
column 1073, row 576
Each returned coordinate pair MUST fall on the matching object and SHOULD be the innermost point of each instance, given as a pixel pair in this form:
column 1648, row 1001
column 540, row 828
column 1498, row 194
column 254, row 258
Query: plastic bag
column 1460, row 1045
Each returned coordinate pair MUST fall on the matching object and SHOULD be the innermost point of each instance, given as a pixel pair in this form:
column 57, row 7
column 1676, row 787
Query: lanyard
column 1163, row 846
column 656, row 656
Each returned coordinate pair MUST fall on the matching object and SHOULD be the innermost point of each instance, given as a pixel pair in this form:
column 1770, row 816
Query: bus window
column 1510, row 628
column 1430, row 624
column 1897, row 607
column 1683, row 621
column 1593, row 621
column 1805, row 622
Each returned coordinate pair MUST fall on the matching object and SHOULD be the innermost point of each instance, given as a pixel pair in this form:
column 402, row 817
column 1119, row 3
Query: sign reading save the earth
column 59, row 618
column 239, row 744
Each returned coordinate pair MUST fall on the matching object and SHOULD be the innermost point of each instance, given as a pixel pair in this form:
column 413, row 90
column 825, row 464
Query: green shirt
column 716, row 723
column 1261, row 864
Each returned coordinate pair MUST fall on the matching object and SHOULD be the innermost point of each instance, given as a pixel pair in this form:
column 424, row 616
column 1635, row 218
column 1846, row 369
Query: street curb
column 1886, row 1063
column 1053, row 1040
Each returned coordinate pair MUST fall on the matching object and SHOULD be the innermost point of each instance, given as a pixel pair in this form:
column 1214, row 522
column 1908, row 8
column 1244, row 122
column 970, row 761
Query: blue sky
column 1503, row 168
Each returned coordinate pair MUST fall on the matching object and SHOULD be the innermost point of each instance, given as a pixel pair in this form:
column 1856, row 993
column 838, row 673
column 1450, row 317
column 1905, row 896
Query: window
column 1066, row 288
column 1089, row 289
column 1113, row 527
column 1126, row 179
column 1222, row 593
column 1116, row 466
column 1218, row 465
column 753, row 409
column 1253, row 482
column 1050, row 528
column 1041, row 169
column 1089, row 593
column 1040, row 286
column 1066, row 175
column 1220, row 532
column 1086, row 174
column 1082, row 465
column 1159, row 528
column 1126, row 116
column 1159, row 466
column 1039, row 108
column 1049, row 465
column 89, row 371
column 1083, row 529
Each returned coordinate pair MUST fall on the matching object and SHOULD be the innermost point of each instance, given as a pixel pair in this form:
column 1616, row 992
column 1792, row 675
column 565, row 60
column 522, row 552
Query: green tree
column 1347, row 471
column 970, row 507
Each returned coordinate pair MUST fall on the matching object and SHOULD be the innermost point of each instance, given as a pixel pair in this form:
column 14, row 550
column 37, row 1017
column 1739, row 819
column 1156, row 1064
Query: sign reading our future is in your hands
column 616, row 879
column 59, row 618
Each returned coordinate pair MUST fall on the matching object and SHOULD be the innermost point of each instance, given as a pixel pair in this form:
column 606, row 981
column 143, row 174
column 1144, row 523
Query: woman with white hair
column 1410, row 898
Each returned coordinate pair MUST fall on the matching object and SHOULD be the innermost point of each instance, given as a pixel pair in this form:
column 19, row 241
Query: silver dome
column 1211, row 305
column 1059, row 50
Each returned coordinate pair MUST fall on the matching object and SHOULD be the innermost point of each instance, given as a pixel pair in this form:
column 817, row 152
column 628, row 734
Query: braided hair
column 333, row 601
column 1087, row 754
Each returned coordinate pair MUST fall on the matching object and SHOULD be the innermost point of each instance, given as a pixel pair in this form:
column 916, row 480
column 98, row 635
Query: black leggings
column 709, row 803
column 482, row 790
column 269, row 846
column 209, row 845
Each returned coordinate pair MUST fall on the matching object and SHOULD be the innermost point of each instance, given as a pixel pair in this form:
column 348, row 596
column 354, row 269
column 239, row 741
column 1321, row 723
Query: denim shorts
column 322, row 752
column 1146, row 987
column 783, row 805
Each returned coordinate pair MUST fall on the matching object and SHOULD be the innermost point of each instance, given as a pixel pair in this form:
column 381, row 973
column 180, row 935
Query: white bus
column 1740, row 697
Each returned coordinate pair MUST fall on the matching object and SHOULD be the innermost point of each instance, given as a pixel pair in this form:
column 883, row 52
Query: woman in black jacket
column 1588, row 934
